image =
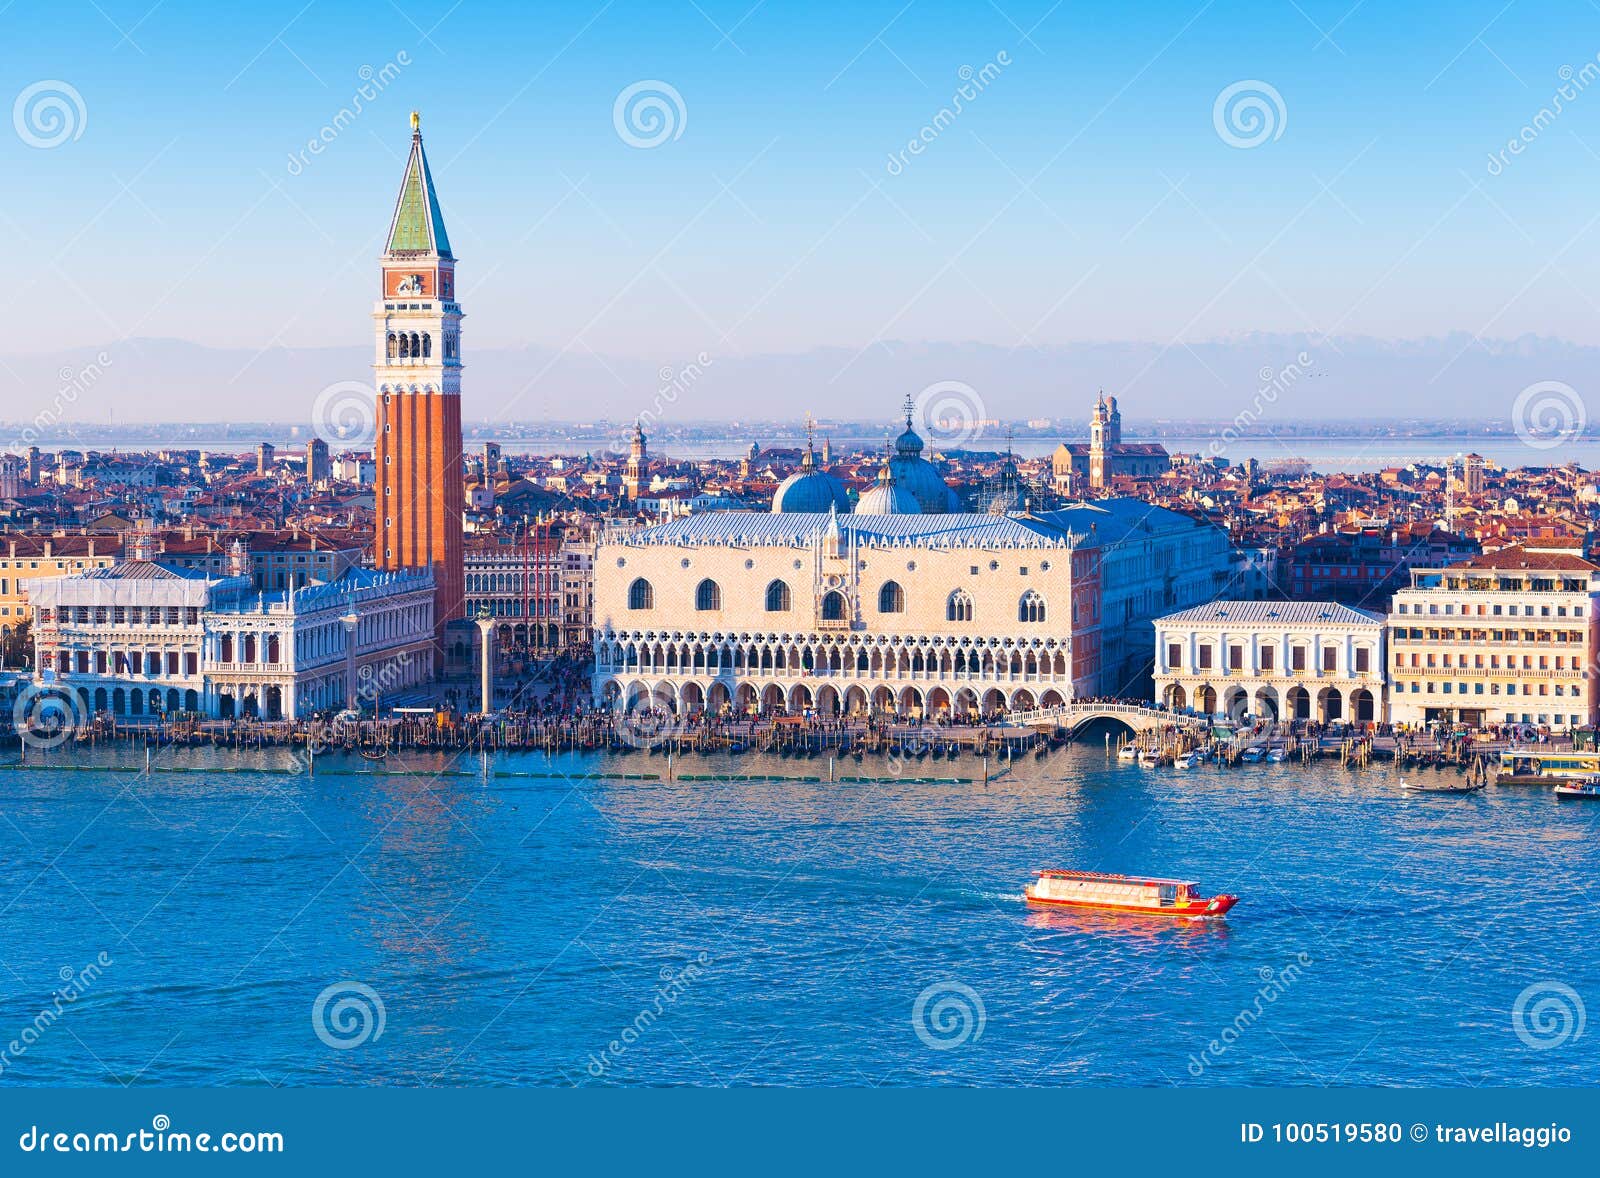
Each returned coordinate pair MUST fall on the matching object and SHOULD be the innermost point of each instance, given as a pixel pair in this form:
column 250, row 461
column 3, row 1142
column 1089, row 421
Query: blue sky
column 1085, row 194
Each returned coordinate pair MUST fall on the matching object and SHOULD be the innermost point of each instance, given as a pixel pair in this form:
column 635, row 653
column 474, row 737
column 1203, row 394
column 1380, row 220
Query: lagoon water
column 581, row 927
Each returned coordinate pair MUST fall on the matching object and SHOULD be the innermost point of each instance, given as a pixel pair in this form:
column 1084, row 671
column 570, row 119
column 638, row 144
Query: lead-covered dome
column 810, row 489
column 918, row 477
column 888, row 497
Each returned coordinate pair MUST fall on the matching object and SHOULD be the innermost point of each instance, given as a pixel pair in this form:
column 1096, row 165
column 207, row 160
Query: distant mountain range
column 1344, row 378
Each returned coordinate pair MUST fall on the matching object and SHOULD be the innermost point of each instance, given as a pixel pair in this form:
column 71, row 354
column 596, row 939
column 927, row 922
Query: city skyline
column 649, row 188
column 838, row 546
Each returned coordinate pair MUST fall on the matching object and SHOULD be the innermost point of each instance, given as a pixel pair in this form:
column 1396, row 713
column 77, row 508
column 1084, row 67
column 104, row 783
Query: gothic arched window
column 959, row 607
column 640, row 595
column 1030, row 608
column 833, row 607
column 708, row 595
column 891, row 598
column 427, row 345
column 778, row 598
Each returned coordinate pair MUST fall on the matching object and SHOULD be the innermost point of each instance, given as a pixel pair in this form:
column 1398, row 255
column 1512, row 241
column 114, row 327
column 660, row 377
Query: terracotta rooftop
column 1518, row 557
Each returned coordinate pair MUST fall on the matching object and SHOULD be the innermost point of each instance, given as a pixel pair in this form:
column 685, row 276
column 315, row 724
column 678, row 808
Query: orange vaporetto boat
column 1136, row 895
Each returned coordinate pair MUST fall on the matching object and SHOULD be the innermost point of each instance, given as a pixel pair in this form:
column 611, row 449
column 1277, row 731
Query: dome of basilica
column 917, row 476
column 810, row 489
column 888, row 497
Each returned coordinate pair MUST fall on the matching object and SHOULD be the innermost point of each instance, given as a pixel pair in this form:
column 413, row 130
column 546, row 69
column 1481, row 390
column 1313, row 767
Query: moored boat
column 1543, row 766
column 1277, row 754
column 1586, row 788
column 1128, row 752
column 1189, row 760
column 1138, row 895
column 1252, row 754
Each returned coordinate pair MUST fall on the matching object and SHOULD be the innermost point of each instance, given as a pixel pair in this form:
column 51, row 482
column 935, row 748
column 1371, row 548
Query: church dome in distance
column 810, row 489
column 888, row 497
column 917, row 476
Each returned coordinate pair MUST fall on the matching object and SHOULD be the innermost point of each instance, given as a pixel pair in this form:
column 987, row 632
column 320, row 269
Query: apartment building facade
column 1508, row 637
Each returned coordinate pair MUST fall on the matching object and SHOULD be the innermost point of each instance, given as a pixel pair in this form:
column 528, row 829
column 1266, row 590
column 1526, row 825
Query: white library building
column 1289, row 660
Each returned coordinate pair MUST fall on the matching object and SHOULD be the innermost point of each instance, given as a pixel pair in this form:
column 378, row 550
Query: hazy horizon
column 837, row 207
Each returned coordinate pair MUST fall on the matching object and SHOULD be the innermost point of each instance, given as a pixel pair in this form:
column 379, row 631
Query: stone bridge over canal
column 1070, row 717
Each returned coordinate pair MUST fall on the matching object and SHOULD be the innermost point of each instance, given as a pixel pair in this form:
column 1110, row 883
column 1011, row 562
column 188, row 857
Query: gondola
column 1463, row 788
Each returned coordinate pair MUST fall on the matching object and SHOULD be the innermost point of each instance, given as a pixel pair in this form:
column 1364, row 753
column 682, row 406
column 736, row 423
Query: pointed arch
column 891, row 598
column 833, row 606
column 958, row 607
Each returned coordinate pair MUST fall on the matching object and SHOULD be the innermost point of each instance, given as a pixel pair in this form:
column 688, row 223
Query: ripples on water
column 515, row 928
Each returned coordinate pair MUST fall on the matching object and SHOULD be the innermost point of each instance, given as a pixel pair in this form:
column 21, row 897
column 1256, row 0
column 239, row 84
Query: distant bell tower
column 417, row 373
column 1100, row 427
column 636, row 475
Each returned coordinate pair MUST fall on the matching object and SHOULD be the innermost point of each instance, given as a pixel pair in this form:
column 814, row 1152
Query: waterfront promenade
column 652, row 732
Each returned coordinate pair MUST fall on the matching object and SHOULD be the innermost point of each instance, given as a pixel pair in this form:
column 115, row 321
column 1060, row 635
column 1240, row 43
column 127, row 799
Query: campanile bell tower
column 417, row 374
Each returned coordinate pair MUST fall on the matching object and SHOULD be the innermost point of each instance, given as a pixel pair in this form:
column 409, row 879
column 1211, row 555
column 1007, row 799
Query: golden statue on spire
column 416, row 121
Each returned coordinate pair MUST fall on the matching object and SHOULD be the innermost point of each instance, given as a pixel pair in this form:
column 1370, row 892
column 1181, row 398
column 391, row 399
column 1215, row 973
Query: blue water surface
column 582, row 927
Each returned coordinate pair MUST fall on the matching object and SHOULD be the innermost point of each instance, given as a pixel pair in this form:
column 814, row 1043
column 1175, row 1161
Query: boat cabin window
column 1169, row 895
